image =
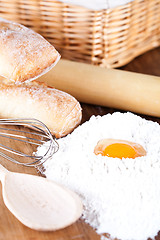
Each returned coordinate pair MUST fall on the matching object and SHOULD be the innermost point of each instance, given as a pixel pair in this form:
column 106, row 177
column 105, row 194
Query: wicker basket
column 108, row 38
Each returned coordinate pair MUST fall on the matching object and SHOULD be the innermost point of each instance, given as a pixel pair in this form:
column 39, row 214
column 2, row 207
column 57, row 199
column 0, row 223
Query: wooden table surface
column 12, row 229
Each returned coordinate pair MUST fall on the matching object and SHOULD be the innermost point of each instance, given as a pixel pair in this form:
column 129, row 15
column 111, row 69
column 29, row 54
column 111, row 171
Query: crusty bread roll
column 24, row 54
column 58, row 110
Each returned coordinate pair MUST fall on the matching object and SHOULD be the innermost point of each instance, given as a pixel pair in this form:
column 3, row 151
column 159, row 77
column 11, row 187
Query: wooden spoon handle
column 3, row 172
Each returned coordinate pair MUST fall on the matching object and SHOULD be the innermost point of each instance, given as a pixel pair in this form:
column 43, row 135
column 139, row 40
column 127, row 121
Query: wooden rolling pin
column 107, row 87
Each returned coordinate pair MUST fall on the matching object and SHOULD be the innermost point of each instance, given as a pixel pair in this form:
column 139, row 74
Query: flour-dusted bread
column 24, row 54
column 58, row 110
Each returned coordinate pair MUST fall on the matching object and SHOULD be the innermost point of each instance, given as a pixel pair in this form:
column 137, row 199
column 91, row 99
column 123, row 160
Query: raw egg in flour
column 119, row 149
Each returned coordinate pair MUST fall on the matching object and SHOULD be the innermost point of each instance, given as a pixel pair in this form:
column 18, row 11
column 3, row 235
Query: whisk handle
column 3, row 172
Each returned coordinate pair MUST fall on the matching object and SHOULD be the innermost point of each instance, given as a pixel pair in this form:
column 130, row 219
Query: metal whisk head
column 19, row 139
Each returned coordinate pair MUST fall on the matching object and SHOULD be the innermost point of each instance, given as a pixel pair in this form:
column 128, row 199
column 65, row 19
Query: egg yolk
column 119, row 149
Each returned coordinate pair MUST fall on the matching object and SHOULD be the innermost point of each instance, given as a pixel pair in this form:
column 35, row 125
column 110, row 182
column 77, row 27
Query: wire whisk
column 19, row 139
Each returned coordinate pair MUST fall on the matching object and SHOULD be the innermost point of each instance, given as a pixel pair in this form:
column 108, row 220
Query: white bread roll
column 58, row 110
column 24, row 54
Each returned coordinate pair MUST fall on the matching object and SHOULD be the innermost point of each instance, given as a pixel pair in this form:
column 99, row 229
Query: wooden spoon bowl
column 38, row 203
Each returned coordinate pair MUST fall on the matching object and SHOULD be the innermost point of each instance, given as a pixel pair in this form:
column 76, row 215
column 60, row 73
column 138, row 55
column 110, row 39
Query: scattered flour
column 120, row 197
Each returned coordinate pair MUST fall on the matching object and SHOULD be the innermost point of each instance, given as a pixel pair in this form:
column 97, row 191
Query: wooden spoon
column 38, row 203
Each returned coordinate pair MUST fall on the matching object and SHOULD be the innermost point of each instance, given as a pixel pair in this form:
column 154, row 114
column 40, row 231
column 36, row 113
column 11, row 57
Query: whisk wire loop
column 37, row 135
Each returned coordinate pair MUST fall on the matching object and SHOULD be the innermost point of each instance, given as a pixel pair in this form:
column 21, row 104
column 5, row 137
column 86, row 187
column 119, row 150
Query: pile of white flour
column 120, row 197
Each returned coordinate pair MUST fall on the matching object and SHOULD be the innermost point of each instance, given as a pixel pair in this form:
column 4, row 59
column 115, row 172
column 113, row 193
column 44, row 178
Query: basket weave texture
column 109, row 38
